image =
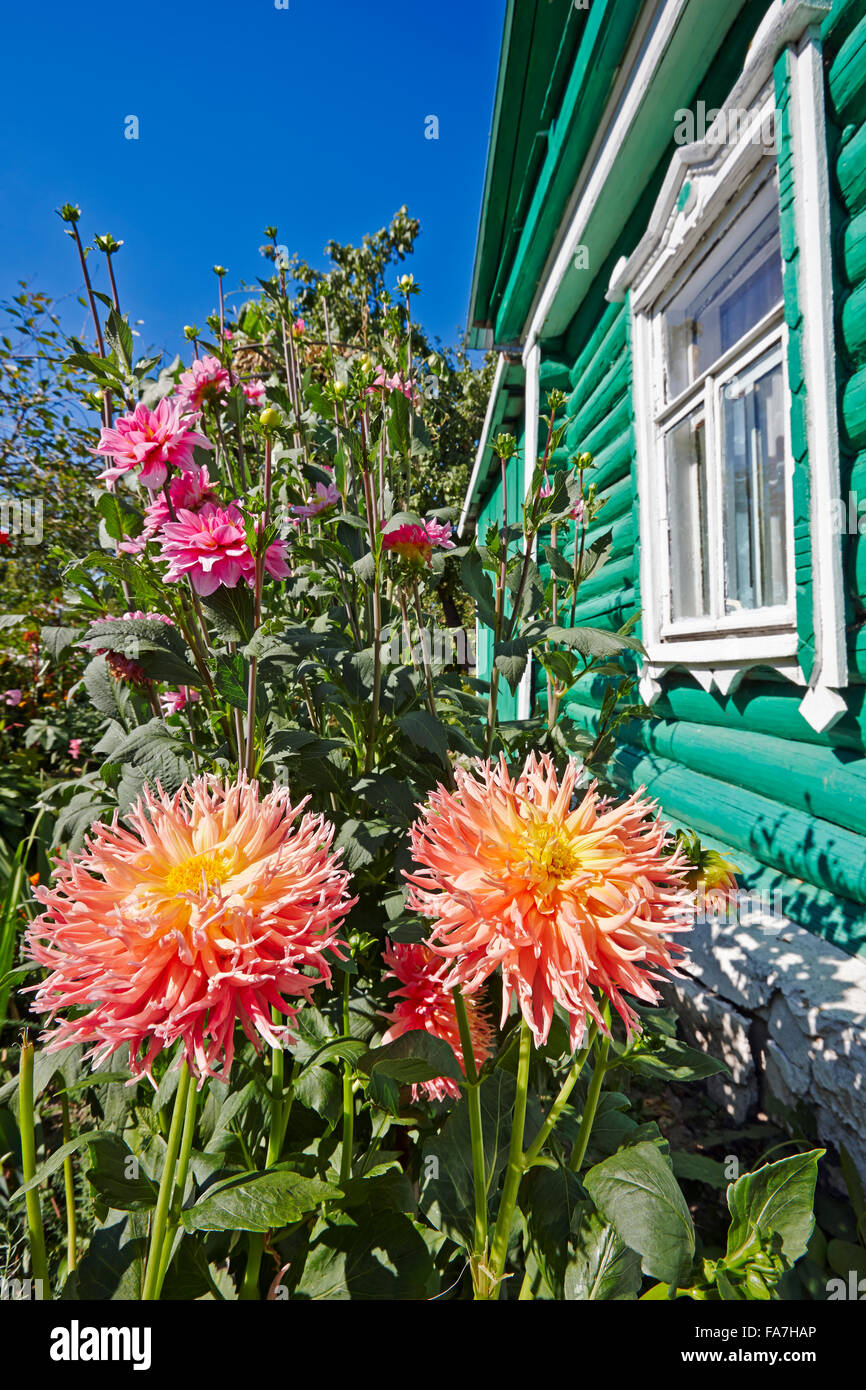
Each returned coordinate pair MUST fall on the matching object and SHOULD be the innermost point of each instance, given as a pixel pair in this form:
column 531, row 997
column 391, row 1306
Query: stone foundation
column 786, row 1012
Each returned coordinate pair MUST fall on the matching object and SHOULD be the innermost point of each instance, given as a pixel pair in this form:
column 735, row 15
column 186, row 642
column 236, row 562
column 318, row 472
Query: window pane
column 755, row 489
column 737, row 283
column 686, row 463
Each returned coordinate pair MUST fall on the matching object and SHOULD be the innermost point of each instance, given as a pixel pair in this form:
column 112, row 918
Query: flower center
column 550, row 851
column 200, row 873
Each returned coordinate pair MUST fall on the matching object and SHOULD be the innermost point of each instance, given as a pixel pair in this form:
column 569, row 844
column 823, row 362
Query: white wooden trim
column 676, row 229
column 532, row 365
column 622, row 110
column 483, row 442
column 815, row 285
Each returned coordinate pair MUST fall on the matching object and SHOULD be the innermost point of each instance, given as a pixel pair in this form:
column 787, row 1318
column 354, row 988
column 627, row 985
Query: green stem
column 38, row 1258
column 559, row 1104
column 579, row 1151
column 514, row 1171
column 281, row 1104
column 473, row 1098
column 150, row 1292
column 348, row 1096
column 69, row 1189
column 180, row 1184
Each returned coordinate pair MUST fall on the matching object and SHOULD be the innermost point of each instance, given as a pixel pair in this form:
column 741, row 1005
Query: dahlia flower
column 174, row 701
column 563, row 899
column 397, row 382
column 254, row 391
column 426, row 1005
column 75, row 749
column 190, row 491
column 210, row 546
column 13, row 697
column 417, row 543
column 205, row 381
column 214, row 906
column 324, row 497
column 152, row 440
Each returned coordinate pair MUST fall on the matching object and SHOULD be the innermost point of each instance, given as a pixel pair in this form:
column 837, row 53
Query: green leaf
column 776, row 1200
column 258, row 1201
column 672, row 1060
column 231, row 680
column 376, row 1256
column 161, row 756
column 593, row 641
column 425, row 731
column 551, row 1200
column 57, row 640
column 604, row 1267
column 113, row 1266
column 55, row 1161
column 413, row 1057
column 637, row 1191
column 116, row 1175
column 510, row 660
column 231, row 612
column 478, row 585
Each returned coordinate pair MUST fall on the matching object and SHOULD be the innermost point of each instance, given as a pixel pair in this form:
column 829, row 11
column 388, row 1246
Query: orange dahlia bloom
column 424, row 1003
column 563, row 898
column 212, row 907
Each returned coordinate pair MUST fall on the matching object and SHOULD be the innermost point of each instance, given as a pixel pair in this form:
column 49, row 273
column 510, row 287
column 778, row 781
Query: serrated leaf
column 636, row 1190
column 258, row 1201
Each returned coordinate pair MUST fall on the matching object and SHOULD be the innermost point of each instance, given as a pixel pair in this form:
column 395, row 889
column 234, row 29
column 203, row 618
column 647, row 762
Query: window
column 724, row 441
column 721, row 452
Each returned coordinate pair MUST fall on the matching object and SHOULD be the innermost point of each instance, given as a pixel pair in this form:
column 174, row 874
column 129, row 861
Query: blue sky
column 311, row 118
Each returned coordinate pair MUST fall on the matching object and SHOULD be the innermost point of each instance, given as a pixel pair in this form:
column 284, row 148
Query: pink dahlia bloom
column 152, row 440
column 213, row 907
column 424, row 1004
column 417, row 543
column 299, row 327
column 254, row 391
column 323, row 499
column 210, row 546
column 206, row 380
column 75, row 749
column 562, row 899
column 397, row 382
column 174, row 701
column 13, row 697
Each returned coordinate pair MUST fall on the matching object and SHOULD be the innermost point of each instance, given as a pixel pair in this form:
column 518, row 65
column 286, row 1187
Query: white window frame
column 702, row 180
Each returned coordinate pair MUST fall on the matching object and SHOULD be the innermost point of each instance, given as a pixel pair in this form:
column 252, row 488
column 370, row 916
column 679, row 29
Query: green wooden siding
column 489, row 515
column 787, row 803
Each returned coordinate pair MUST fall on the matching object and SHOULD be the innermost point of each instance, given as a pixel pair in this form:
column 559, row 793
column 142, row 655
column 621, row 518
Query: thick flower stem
column 180, row 1183
column 281, row 1103
column 150, row 1292
column 559, row 1104
column 348, row 1095
column 579, row 1151
column 473, row 1099
column 69, row 1190
column 38, row 1258
column 516, row 1167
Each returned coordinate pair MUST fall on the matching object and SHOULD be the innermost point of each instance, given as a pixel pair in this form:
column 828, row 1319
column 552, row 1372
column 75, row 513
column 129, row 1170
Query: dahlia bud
column 70, row 212
column 220, row 270
column 270, row 419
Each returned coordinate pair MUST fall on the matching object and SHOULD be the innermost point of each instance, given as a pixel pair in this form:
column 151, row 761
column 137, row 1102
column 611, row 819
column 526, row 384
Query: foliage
column 301, row 658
